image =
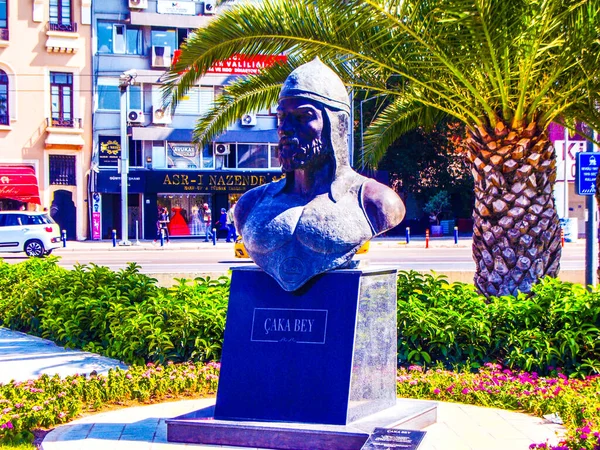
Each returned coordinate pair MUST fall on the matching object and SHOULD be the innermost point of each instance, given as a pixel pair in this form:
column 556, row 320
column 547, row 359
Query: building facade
column 135, row 41
column 45, row 109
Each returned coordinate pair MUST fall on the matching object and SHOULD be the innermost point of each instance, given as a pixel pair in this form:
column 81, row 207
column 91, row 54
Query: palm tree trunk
column 516, row 233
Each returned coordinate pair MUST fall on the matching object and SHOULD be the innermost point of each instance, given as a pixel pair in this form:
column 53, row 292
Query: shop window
column 118, row 38
column 207, row 157
column 253, row 156
column 61, row 16
column 4, row 116
column 61, row 94
column 186, row 216
column 3, row 20
column 62, row 170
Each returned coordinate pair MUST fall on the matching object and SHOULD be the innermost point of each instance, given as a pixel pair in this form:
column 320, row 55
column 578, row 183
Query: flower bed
column 49, row 401
column 575, row 401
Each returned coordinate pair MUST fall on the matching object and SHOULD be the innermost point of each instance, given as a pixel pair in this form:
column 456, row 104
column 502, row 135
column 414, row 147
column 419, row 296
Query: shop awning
column 19, row 183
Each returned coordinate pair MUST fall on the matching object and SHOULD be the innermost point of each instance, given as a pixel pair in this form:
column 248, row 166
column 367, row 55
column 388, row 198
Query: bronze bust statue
column 317, row 217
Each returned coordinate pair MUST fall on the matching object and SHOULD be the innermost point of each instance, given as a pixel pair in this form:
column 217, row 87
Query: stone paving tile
column 459, row 427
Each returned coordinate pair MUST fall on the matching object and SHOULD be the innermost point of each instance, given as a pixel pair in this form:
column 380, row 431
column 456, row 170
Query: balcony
column 3, row 37
column 64, row 133
column 62, row 38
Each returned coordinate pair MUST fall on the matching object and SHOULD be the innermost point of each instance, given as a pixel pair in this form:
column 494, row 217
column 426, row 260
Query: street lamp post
column 126, row 79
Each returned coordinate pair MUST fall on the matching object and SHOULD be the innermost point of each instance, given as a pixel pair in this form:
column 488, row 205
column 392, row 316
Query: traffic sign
column 588, row 164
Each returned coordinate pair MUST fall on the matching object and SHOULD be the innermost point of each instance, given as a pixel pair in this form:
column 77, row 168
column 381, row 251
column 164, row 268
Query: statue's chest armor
column 321, row 226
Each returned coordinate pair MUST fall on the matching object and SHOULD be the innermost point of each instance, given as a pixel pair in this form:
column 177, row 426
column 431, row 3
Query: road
column 207, row 258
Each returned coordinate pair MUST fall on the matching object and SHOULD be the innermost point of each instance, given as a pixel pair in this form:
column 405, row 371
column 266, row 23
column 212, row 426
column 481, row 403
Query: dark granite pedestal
column 300, row 369
column 200, row 427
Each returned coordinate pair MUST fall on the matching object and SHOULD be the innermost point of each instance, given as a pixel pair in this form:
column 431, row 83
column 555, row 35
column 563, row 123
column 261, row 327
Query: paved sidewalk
column 459, row 427
column 25, row 357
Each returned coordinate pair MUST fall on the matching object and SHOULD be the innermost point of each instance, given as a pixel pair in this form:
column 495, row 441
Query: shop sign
column 195, row 182
column 183, row 150
column 110, row 182
column 181, row 8
column 110, row 151
column 246, row 64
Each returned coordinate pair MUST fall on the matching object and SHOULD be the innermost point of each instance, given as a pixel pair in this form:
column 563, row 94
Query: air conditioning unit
column 161, row 116
column 138, row 4
column 135, row 116
column 209, row 7
column 161, row 56
column 221, row 149
column 248, row 120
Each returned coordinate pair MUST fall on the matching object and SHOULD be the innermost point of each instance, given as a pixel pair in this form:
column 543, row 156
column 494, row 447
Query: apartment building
column 45, row 109
column 134, row 43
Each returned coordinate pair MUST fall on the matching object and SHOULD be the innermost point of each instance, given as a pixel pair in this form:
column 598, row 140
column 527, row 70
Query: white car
column 34, row 233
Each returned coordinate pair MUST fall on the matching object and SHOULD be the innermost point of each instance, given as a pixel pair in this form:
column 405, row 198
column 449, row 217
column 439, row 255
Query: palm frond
column 393, row 121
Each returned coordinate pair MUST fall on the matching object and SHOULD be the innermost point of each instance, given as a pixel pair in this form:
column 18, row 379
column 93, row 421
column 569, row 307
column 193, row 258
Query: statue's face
column 300, row 133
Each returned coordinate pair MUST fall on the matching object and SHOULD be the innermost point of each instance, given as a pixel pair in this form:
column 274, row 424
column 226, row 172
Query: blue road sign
column 588, row 164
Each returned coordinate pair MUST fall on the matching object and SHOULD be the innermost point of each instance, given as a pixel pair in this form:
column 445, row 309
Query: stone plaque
column 393, row 438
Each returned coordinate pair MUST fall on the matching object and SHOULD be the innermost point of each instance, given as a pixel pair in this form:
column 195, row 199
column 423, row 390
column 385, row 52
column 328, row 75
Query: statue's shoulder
column 382, row 205
column 251, row 198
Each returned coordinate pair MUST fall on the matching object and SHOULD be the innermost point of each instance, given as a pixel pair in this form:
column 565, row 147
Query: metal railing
column 3, row 34
column 61, row 122
column 68, row 27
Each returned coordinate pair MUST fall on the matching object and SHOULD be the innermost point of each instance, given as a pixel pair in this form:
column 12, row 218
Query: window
column 257, row 156
column 135, row 153
column 119, row 38
column 4, row 117
column 134, row 100
column 60, row 16
column 61, row 94
column 164, row 43
column 3, row 20
column 197, row 101
column 62, row 170
column 108, row 94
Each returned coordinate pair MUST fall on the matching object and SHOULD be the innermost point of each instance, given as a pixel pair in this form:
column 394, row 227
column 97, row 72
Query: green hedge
column 557, row 325
column 122, row 314
column 125, row 315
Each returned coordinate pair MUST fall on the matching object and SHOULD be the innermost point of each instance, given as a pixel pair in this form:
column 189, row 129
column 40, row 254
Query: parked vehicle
column 34, row 233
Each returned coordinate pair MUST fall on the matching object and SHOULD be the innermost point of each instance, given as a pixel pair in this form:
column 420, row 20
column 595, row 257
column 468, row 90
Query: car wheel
column 34, row 248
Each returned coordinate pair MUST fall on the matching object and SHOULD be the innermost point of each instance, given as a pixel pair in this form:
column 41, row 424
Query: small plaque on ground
column 393, row 438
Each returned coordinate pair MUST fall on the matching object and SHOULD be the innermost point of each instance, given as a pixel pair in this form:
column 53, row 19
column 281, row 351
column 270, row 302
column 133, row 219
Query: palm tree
column 506, row 69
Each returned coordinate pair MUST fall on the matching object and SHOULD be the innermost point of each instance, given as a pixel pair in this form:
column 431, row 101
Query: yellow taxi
column 240, row 250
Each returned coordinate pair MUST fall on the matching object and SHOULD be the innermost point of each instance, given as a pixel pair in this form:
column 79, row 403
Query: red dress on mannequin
column 178, row 225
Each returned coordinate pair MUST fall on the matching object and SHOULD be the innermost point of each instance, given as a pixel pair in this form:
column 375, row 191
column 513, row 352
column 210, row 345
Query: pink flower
column 436, row 391
column 8, row 425
column 129, row 376
column 465, row 391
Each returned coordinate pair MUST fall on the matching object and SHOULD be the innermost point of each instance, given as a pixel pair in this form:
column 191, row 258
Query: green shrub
column 557, row 325
column 122, row 314
column 125, row 315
